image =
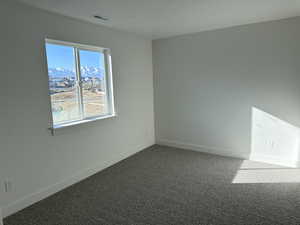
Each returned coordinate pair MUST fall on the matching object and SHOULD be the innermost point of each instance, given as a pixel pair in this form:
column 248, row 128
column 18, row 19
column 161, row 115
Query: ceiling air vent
column 100, row 18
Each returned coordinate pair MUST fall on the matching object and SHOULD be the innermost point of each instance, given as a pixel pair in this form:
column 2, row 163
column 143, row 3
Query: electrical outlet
column 1, row 219
column 8, row 186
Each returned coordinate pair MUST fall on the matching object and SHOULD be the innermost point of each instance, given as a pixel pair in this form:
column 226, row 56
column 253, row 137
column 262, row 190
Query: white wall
column 206, row 84
column 36, row 162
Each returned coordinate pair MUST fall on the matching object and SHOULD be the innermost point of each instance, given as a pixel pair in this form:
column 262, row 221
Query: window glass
column 80, row 87
column 92, row 70
column 62, row 83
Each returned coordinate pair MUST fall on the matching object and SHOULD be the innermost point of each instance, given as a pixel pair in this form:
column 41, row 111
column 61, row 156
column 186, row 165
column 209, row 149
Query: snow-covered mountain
column 91, row 71
column 85, row 72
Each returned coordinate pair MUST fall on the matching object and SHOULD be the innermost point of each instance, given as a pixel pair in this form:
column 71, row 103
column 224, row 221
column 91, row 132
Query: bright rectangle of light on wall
column 274, row 140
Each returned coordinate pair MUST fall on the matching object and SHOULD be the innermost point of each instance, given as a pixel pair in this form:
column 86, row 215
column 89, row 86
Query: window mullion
column 79, row 82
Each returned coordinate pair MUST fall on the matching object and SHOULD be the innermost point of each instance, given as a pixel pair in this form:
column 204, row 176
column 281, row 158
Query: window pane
column 92, row 68
column 62, row 83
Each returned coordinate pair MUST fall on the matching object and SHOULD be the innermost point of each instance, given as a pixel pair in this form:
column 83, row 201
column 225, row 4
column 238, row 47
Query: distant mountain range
column 85, row 72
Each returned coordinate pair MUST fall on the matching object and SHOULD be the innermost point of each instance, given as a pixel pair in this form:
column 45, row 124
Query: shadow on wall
column 274, row 151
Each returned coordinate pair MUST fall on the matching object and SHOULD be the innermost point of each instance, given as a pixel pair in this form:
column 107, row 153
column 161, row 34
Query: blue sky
column 89, row 58
column 63, row 56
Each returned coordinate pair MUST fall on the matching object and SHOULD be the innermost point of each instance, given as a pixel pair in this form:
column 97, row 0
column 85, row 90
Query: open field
column 65, row 106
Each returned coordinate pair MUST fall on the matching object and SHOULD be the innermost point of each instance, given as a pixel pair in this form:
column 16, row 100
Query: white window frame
column 108, row 78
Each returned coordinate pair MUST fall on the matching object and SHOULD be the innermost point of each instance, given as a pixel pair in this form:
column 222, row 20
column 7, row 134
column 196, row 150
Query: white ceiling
column 165, row 18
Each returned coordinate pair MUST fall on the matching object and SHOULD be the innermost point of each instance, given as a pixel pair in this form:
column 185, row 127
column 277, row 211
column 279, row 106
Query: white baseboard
column 275, row 160
column 230, row 153
column 203, row 148
column 48, row 191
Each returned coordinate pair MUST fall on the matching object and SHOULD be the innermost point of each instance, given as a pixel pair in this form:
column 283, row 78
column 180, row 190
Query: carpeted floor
column 167, row 186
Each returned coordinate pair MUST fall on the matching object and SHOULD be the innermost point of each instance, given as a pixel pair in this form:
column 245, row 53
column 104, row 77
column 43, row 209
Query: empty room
column 150, row 112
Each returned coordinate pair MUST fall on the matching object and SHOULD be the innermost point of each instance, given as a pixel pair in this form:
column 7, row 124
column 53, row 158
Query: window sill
column 87, row 120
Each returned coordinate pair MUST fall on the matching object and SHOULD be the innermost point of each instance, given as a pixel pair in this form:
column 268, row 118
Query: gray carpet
column 167, row 186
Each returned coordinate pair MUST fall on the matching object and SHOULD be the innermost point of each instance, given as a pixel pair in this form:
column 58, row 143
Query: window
column 80, row 83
